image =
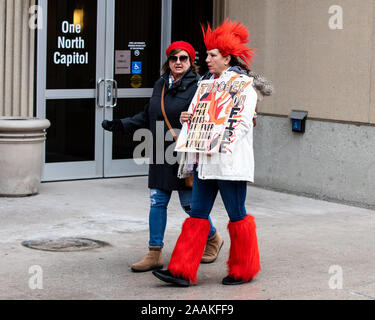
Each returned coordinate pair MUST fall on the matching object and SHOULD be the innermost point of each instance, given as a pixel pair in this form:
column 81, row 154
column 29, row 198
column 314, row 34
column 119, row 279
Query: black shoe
column 165, row 275
column 231, row 281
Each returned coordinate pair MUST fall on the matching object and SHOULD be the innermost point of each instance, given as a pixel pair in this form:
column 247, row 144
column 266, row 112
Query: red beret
column 183, row 45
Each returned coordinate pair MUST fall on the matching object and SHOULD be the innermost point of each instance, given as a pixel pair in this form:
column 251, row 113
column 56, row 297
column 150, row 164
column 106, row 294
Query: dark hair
column 235, row 61
column 165, row 68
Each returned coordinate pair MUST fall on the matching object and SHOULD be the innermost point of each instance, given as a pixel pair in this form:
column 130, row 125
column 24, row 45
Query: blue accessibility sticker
column 136, row 67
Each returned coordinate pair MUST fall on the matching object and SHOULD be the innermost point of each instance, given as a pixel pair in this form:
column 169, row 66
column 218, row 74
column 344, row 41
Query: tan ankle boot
column 153, row 260
column 212, row 249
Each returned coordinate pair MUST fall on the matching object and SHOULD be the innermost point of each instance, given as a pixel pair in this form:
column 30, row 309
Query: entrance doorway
column 99, row 59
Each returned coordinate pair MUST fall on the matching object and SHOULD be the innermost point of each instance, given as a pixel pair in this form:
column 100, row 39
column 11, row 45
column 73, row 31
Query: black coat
column 176, row 100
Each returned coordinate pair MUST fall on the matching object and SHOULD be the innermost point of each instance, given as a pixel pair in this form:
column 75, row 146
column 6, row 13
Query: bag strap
column 165, row 115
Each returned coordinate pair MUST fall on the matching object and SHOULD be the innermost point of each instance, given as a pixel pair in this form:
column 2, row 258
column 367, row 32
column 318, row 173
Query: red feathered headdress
column 229, row 38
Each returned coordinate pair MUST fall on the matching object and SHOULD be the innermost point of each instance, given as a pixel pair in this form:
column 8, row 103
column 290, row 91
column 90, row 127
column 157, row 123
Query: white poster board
column 217, row 109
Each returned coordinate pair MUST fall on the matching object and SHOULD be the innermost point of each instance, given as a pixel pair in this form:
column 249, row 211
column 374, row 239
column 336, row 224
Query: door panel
column 71, row 51
column 187, row 26
column 71, row 137
column 138, row 38
column 70, row 58
column 123, row 145
column 135, row 47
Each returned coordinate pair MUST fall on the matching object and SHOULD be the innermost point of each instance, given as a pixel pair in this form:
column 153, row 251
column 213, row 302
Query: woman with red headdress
column 229, row 174
column 173, row 90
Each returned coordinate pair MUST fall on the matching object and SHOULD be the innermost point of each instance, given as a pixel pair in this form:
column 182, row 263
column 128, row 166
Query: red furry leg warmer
column 188, row 252
column 243, row 262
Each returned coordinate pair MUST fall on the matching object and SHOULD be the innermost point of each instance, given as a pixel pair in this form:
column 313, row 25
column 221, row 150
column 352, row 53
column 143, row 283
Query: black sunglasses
column 175, row 58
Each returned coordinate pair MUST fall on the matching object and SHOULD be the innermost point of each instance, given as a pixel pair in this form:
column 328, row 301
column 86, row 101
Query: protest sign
column 217, row 110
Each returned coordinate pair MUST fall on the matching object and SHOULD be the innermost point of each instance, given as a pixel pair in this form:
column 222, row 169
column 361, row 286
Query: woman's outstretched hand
column 115, row 125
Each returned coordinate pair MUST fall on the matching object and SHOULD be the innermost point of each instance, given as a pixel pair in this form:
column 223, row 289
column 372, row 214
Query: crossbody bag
column 188, row 180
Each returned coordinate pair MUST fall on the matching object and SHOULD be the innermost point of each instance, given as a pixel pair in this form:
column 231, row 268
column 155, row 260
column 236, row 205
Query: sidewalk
column 300, row 239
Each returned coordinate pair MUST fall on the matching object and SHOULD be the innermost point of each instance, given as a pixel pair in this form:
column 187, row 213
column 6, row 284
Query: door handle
column 115, row 93
column 111, row 93
column 98, row 83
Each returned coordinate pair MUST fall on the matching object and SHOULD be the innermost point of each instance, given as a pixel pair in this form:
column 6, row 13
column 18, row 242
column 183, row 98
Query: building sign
column 140, row 45
column 136, row 67
column 218, row 108
column 122, row 62
column 70, row 41
column 136, row 81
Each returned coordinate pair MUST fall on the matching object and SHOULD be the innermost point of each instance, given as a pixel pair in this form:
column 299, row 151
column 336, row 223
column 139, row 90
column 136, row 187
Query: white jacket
column 238, row 165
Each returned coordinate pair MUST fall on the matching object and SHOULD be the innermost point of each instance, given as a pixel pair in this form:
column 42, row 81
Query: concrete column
column 2, row 54
column 16, row 58
column 219, row 12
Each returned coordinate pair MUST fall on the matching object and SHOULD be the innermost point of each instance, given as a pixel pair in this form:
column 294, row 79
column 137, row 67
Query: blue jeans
column 158, row 213
column 233, row 194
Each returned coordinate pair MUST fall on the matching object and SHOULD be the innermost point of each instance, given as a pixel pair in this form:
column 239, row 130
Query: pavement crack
column 360, row 294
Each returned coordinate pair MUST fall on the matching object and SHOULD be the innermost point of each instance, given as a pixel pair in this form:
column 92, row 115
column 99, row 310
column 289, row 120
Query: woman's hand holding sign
column 185, row 116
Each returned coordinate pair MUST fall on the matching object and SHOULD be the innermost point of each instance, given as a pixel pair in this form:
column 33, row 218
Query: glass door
column 134, row 40
column 97, row 59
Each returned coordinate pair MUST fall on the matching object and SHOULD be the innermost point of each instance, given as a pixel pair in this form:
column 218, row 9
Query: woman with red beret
column 227, row 56
column 176, row 86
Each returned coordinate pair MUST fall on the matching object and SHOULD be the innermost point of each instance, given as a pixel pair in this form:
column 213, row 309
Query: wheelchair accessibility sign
column 136, row 67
